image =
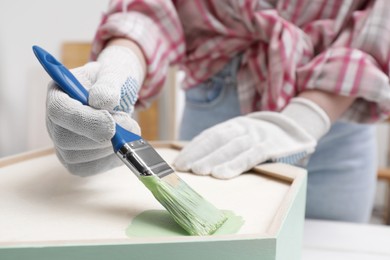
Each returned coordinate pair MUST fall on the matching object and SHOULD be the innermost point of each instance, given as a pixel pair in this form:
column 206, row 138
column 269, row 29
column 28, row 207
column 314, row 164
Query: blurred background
column 23, row 82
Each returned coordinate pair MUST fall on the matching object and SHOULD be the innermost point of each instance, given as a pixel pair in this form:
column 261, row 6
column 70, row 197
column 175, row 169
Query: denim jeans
column 341, row 172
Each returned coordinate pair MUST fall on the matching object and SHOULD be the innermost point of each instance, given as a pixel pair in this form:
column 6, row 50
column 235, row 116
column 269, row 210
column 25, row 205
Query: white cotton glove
column 235, row 146
column 82, row 134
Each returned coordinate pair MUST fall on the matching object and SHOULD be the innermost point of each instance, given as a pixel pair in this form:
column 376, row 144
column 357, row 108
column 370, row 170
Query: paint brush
column 189, row 209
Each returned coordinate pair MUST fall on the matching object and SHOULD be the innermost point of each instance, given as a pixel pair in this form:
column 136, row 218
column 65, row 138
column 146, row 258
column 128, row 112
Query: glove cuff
column 309, row 116
column 125, row 58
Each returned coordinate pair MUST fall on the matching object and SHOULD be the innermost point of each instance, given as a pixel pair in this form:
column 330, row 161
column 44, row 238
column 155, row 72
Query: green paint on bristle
column 190, row 210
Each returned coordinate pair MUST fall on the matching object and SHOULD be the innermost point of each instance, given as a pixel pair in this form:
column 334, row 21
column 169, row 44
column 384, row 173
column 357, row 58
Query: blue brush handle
column 61, row 75
column 70, row 85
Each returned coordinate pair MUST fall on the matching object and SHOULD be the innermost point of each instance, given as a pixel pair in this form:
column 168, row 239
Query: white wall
column 23, row 82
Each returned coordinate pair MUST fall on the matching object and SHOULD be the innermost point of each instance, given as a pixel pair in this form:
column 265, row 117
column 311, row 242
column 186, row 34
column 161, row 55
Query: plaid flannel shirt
column 287, row 46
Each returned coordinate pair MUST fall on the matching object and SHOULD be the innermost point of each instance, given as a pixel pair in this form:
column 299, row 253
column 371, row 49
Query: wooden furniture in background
column 384, row 175
column 149, row 121
column 75, row 54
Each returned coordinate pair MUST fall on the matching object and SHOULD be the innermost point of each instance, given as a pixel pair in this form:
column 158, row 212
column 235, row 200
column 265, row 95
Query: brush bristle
column 190, row 210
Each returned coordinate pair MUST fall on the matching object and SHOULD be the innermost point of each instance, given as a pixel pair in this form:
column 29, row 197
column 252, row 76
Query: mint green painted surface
column 263, row 249
column 289, row 239
column 159, row 223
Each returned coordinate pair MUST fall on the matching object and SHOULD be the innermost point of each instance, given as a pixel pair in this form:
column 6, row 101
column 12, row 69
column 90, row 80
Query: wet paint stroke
column 159, row 223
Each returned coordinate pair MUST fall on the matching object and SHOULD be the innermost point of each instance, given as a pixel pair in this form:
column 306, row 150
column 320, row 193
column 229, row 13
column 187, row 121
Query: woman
column 265, row 80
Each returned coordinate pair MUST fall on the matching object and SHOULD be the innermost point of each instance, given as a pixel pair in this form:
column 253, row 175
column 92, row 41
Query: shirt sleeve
column 155, row 27
column 356, row 64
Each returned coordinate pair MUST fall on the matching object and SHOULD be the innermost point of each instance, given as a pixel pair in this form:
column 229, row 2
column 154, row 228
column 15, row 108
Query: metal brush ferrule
column 143, row 160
